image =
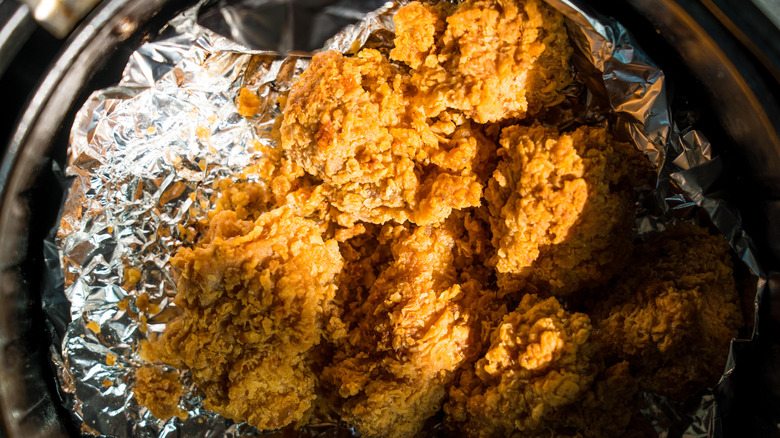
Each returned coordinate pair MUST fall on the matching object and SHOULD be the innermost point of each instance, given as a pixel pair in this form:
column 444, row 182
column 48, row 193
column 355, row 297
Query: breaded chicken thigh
column 562, row 206
column 490, row 59
column 348, row 121
column 674, row 312
column 415, row 328
column 540, row 360
column 253, row 296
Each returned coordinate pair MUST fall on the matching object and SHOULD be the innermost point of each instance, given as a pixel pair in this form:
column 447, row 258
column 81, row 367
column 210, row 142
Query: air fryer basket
column 714, row 86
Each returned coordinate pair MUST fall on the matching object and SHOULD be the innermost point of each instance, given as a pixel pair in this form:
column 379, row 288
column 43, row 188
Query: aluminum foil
column 144, row 155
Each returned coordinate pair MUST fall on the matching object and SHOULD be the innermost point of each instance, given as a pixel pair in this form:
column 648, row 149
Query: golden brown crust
column 605, row 410
column 490, row 59
column 347, row 121
column 159, row 392
column 561, row 208
column 418, row 26
column 674, row 312
column 539, row 360
column 392, row 144
column 247, row 103
column 254, row 295
column 413, row 330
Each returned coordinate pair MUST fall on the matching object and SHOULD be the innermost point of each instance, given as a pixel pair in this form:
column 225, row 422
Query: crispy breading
column 605, row 410
column 471, row 229
column 414, row 329
column 673, row 313
column 366, row 255
column 562, row 206
column 608, row 409
column 418, row 26
column 272, row 181
column 540, row 359
column 159, row 392
column 347, row 120
column 490, row 59
column 253, row 296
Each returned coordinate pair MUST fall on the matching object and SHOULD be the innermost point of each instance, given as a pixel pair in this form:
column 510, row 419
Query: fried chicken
column 540, row 360
column 272, row 181
column 490, row 59
column 605, row 410
column 366, row 252
column 562, row 206
column 159, row 392
column 348, row 121
column 471, row 230
column 674, row 312
column 253, row 296
column 414, row 329
column 392, row 144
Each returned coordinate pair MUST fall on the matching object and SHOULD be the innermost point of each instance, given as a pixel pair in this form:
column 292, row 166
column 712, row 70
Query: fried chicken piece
column 285, row 183
column 674, row 312
column 540, row 360
column 272, row 181
column 411, row 333
column 605, row 410
column 347, row 120
column 490, row 59
column 562, row 206
column 159, row 392
column 253, row 296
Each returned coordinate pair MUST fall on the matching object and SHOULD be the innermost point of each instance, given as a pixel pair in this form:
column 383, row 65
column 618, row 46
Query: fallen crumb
column 203, row 133
column 92, row 325
column 248, row 103
column 132, row 275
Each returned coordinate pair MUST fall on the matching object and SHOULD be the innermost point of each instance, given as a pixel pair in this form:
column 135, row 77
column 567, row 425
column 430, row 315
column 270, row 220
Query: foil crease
column 144, row 155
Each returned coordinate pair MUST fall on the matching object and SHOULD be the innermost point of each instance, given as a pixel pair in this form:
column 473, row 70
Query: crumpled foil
column 144, row 154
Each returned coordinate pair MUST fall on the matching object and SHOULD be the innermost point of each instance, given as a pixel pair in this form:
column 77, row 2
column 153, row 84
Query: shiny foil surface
column 144, row 156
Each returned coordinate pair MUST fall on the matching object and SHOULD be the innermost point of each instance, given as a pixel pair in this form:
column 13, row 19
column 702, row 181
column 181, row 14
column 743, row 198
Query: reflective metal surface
column 59, row 16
